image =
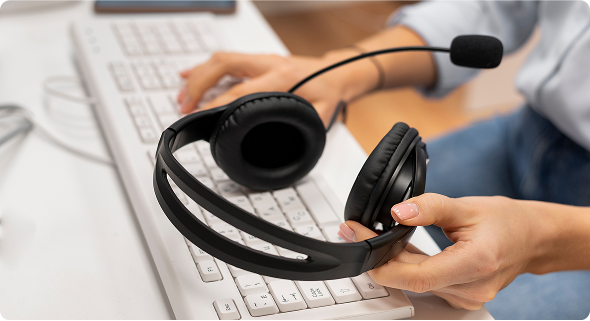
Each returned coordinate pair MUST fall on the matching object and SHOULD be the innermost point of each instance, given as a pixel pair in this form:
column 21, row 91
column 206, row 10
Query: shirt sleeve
column 438, row 22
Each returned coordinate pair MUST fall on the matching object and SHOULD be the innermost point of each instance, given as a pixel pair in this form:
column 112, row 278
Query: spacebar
column 317, row 205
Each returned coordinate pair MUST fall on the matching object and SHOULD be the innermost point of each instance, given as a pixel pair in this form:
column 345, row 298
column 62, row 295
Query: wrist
column 561, row 238
column 353, row 79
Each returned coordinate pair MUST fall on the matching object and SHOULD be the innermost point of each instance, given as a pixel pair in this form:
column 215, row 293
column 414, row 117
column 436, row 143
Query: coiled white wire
column 26, row 120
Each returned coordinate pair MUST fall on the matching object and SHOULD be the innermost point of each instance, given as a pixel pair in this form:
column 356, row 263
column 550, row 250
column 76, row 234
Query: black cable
column 364, row 55
column 342, row 104
column 340, row 107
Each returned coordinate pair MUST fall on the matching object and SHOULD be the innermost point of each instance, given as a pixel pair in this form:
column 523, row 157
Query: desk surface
column 70, row 245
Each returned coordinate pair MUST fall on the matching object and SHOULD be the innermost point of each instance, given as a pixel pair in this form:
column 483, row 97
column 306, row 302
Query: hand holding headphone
column 270, row 140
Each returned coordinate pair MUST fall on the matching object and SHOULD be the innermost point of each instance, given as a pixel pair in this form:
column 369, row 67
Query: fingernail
column 347, row 232
column 405, row 211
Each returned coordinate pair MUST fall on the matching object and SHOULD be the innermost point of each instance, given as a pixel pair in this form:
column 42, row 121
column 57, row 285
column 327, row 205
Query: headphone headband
column 325, row 260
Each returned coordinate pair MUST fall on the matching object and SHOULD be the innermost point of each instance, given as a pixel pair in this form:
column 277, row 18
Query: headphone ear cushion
column 268, row 140
column 375, row 174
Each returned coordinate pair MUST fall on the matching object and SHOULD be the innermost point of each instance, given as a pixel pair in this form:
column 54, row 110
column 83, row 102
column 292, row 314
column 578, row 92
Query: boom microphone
column 473, row 51
column 476, row 51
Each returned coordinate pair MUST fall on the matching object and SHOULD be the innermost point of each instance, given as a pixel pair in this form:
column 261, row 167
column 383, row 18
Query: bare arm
column 275, row 73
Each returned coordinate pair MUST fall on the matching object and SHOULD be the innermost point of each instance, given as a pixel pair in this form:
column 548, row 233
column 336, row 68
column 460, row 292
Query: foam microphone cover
column 476, row 51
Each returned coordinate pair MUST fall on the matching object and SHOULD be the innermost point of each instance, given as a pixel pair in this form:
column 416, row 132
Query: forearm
column 562, row 235
column 401, row 69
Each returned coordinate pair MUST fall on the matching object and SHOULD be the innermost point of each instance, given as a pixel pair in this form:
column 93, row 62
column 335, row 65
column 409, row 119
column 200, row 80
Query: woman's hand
column 277, row 73
column 496, row 239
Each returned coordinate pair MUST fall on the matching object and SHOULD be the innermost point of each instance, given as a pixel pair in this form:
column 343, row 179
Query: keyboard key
column 265, row 247
column 284, row 193
column 171, row 81
column 288, row 199
column 318, row 206
column 198, row 254
column 167, row 119
column 226, row 230
column 310, row 230
column 148, row 135
column 343, row 290
column 286, row 296
column 241, row 201
column 269, row 211
column 149, row 82
column 142, row 121
column 261, row 304
column 187, row 155
column 251, row 240
column 211, row 218
column 368, row 288
column 219, row 175
column 331, row 234
column 136, row 109
column 132, row 47
column 209, row 271
column 226, row 309
column 196, row 169
column 299, row 217
column 270, row 279
column 250, row 284
column 153, row 47
column 291, row 254
column 229, row 188
column 236, row 271
column 161, row 104
column 315, row 293
column 281, row 222
column 262, row 199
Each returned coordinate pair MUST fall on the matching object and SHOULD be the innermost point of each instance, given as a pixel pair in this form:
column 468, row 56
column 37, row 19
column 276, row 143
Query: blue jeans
column 521, row 156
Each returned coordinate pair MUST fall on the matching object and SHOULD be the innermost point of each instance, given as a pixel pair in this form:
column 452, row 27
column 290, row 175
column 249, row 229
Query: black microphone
column 473, row 51
column 476, row 51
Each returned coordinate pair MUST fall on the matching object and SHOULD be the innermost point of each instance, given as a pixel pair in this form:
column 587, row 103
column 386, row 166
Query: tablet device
column 129, row 6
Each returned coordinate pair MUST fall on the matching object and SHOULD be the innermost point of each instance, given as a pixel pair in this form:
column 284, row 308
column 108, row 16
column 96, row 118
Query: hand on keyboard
column 274, row 73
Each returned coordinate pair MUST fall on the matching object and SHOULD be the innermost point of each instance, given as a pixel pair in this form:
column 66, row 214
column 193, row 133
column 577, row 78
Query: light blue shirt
column 555, row 79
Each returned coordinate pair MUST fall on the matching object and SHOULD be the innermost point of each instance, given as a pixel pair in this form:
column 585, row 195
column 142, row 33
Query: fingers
column 199, row 81
column 185, row 73
column 457, row 264
column 267, row 82
column 205, row 76
column 352, row 231
column 434, row 209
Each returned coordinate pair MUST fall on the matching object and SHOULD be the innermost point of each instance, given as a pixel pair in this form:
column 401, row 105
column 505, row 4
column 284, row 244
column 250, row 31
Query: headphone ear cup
column 376, row 173
column 268, row 140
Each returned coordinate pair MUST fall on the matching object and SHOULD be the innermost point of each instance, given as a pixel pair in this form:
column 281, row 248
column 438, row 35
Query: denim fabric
column 522, row 156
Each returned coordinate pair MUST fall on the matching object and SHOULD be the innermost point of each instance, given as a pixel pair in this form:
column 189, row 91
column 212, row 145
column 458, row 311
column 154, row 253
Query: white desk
column 71, row 246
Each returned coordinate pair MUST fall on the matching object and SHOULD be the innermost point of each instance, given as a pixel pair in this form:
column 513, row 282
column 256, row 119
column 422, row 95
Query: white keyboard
column 132, row 67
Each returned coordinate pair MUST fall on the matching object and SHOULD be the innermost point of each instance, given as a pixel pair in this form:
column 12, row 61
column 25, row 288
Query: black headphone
column 269, row 141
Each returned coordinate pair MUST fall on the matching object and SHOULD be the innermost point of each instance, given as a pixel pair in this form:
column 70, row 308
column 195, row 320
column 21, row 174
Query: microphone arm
column 365, row 55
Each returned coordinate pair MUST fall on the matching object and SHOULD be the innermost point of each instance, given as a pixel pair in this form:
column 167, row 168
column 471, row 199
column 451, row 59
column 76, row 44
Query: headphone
column 270, row 140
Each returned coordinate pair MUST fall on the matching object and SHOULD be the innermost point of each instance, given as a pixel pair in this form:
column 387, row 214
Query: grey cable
column 28, row 121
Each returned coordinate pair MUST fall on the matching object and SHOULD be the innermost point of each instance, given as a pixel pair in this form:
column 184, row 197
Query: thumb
column 436, row 209
column 352, row 231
